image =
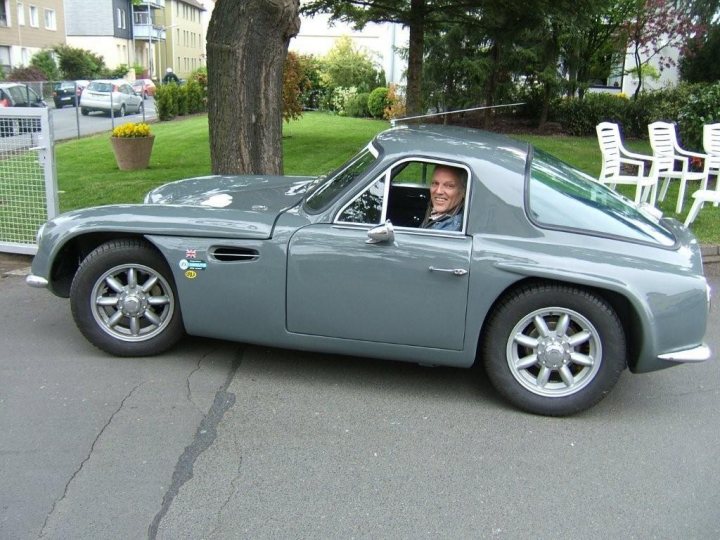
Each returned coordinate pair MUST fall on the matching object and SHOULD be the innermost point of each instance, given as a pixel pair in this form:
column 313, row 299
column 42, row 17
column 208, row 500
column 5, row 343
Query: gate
column 28, row 185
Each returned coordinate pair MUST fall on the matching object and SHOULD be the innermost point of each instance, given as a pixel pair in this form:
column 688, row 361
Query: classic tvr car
column 554, row 282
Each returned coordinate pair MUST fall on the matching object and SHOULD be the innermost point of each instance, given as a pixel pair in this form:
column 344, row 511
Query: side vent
column 234, row 254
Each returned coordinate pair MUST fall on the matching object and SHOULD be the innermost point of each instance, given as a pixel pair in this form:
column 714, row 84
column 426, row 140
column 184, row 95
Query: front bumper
column 696, row 354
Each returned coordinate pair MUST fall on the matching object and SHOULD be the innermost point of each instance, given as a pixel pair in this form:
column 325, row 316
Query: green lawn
column 88, row 175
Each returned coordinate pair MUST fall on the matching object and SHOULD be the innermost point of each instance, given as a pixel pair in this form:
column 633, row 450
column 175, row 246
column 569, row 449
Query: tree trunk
column 247, row 44
column 492, row 83
column 416, row 47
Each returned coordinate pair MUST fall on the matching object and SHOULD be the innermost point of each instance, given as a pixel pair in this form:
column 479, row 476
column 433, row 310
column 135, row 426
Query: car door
column 409, row 290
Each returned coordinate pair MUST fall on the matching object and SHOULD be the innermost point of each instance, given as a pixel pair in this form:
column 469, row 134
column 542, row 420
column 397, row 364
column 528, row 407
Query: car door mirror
column 381, row 233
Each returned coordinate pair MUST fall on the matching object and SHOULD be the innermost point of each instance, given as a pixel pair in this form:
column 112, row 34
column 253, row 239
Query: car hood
column 263, row 194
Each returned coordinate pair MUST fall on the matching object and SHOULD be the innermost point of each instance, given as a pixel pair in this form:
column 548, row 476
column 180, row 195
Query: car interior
column 409, row 197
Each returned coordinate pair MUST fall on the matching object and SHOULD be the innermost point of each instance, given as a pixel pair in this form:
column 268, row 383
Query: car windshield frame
column 581, row 203
column 326, row 189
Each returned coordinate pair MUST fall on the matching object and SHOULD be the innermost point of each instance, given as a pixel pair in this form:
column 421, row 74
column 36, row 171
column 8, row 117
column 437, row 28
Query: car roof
column 454, row 142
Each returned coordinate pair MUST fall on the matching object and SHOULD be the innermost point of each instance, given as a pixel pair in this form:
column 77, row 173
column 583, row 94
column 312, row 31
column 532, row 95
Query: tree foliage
column 346, row 66
column 45, row 62
column 76, row 63
column 295, row 84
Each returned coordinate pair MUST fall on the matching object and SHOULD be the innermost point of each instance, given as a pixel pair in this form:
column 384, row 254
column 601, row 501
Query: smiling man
column 447, row 197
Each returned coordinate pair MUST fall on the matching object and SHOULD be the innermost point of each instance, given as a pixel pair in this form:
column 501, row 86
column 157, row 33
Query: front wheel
column 84, row 111
column 553, row 349
column 124, row 301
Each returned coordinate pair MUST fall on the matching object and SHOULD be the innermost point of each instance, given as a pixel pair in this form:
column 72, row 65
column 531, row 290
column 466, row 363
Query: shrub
column 580, row 116
column 195, row 96
column 396, row 107
column 26, row 74
column 378, row 102
column 166, row 102
column 357, row 105
column 45, row 62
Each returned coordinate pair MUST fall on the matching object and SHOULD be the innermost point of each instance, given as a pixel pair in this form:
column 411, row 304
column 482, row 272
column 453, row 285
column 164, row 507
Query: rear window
column 561, row 197
column 100, row 86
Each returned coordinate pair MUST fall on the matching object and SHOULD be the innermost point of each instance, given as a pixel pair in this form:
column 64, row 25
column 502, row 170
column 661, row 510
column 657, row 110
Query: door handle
column 453, row 271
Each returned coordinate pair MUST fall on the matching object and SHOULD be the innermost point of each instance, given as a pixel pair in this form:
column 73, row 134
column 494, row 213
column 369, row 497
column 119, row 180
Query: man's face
column 446, row 190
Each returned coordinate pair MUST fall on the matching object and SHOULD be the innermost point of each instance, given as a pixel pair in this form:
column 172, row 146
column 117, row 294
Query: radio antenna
column 406, row 118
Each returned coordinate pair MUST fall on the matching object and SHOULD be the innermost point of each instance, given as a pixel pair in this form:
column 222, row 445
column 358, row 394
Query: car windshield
column 560, row 196
column 100, row 86
column 325, row 189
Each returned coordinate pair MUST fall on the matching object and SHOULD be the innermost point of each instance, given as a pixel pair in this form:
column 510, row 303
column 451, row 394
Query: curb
column 711, row 254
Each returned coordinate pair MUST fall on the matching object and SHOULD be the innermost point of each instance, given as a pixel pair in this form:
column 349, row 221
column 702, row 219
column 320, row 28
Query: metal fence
column 28, row 186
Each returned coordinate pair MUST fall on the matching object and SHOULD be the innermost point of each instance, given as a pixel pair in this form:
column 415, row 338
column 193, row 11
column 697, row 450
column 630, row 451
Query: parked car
column 68, row 92
column 19, row 95
column 554, row 282
column 106, row 95
column 144, row 88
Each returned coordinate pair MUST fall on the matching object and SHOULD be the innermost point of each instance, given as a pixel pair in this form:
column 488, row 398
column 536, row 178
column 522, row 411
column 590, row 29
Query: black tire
column 121, row 113
column 553, row 349
column 124, row 299
column 141, row 108
column 84, row 111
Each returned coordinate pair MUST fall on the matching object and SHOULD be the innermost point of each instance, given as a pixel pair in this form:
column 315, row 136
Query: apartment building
column 27, row 27
column 185, row 23
column 101, row 26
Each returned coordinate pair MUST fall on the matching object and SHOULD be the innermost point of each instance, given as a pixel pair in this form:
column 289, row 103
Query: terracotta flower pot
column 132, row 153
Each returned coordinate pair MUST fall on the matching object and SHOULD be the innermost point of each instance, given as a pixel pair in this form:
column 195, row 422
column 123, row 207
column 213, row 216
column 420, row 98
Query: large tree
column 247, row 45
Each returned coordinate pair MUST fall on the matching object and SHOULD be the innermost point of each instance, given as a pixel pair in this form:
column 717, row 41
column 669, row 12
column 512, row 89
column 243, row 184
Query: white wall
column 114, row 51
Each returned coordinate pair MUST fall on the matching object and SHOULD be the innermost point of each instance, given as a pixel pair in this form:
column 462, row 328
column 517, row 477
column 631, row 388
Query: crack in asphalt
column 227, row 500
column 87, row 458
column 204, row 438
column 187, row 381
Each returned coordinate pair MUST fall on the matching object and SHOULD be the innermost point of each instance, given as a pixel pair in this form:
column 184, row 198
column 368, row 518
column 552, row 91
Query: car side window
column 405, row 200
column 368, row 207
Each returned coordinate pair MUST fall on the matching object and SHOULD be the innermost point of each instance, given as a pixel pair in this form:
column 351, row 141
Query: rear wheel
column 84, row 111
column 554, row 349
column 124, row 301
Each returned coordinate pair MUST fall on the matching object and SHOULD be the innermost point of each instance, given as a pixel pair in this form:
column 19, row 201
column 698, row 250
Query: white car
column 107, row 95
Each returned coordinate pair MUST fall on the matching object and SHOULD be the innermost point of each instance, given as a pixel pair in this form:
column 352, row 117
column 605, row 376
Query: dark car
column 19, row 95
column 67, row 93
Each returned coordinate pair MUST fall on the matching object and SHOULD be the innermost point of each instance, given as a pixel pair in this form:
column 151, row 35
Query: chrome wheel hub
column 554, row 352
column 132, row 302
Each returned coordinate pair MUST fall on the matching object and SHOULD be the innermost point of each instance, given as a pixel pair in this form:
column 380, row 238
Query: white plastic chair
column 711, row 144
column 615, row 155
column 667, row 152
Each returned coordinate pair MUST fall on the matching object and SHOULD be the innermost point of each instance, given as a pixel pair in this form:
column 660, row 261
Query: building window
column 50, row 23
column 34, row 21
column 5, row 57
column 4, row 12
column 24, row 56
column 121, row 19
column 20, row 14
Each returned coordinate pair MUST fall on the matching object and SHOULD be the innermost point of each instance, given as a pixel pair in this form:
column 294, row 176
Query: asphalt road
column 219, row 440
column 68, row 122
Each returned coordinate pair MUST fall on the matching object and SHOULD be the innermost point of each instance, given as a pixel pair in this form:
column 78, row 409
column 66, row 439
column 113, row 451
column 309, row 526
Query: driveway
column 222, row 440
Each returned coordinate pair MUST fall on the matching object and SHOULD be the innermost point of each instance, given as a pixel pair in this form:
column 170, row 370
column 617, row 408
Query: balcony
column 147, row 31
column 159, row 4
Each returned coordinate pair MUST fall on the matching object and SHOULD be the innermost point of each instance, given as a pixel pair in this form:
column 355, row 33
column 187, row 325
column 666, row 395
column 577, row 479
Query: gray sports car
column 552, row 281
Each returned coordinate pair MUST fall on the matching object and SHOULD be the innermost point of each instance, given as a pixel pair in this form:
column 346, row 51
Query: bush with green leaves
column 357, row 105
column 45, row 62
column 166, row 101
column 378, row 102
column 580, row 116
